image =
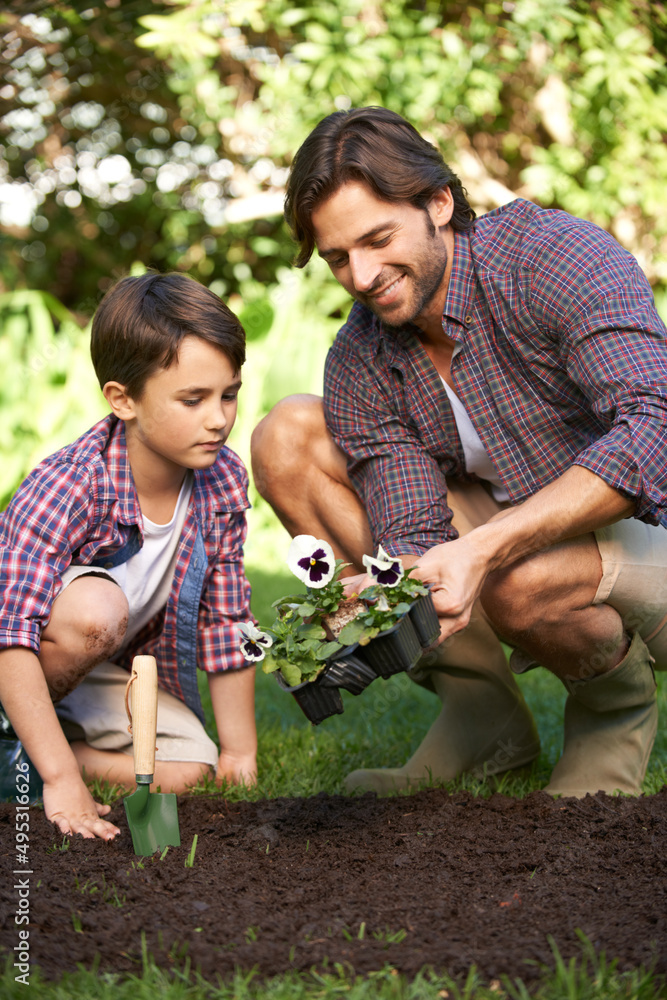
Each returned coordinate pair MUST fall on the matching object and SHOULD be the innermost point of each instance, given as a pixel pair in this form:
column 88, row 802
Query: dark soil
column 297, row 883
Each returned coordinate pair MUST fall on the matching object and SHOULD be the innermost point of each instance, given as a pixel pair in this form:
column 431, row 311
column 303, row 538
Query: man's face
column 390, row 256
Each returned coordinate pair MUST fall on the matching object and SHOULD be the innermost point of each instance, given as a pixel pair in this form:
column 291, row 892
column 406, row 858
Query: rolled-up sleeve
column 614, row 347
column 44, row 522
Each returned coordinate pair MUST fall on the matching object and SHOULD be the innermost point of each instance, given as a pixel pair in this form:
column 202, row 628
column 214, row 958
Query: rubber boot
column 484, row 727
column 610, row 725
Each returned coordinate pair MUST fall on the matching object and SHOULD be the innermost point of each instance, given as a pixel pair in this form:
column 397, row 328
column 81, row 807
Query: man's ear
column 441, row 207
column 119, row 401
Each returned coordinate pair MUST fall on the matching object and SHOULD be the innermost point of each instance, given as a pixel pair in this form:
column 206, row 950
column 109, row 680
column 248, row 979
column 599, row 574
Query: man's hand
column 236, row 769
column 69, row 804
column 456, row 573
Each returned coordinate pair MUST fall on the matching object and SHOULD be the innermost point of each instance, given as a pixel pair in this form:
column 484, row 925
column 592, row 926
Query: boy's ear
column 119, row 401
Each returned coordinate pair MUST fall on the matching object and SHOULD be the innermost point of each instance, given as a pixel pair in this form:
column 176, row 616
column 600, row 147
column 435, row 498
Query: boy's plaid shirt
column 80, row 506
column 561, row 359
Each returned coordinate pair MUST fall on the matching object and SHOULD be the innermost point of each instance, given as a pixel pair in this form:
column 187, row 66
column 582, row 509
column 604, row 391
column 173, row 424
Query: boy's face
column 186, row 411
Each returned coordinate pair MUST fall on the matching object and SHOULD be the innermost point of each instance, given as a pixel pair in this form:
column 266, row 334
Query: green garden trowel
column 151, row 816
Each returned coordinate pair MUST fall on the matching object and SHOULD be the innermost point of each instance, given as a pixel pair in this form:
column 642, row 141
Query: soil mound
column 428, row 879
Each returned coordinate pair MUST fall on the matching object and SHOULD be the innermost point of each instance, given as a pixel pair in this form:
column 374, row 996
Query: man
column 494, row 413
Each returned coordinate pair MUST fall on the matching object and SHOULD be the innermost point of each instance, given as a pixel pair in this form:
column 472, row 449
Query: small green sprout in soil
column 109, row 893
column 388, row 936
column 190, row 860
column 64, row 846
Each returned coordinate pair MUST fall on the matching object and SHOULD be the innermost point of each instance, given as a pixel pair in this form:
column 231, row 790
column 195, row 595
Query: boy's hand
column 236, row 769
column 72, row 808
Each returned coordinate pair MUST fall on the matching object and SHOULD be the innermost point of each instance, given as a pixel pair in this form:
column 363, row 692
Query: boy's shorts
column 95, row 712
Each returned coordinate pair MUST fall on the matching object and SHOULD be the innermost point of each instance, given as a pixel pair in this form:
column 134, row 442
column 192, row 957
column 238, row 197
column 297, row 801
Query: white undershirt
column 476, row 456
column 146, row 577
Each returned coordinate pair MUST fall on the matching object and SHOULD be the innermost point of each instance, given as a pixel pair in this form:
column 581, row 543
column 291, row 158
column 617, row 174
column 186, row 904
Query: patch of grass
column 587, row 977
column 105, row 791
column 388, row 936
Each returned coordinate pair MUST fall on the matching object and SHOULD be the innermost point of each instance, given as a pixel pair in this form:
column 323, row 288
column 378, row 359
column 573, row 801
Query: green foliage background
column 162, row 132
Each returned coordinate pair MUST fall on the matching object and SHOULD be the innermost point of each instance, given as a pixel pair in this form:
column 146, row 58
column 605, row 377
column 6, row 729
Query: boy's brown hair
column 141, row 321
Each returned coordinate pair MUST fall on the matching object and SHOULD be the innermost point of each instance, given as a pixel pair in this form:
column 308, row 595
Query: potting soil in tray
column 447, row 881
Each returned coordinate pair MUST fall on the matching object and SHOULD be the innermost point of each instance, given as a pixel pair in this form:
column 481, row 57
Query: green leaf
column 310, row 51
column 351, row 632
column 291, row 673
column 328, row 649
column 311, row 631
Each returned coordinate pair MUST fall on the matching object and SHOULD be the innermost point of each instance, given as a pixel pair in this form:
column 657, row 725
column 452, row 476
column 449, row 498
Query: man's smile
column 386, row 293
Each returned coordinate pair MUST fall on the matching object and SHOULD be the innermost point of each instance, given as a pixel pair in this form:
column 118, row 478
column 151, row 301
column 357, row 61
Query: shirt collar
column 118, row 466
column 461, row 287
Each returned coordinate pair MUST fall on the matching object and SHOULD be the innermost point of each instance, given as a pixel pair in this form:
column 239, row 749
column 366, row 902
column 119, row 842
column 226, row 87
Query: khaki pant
column 634, row 565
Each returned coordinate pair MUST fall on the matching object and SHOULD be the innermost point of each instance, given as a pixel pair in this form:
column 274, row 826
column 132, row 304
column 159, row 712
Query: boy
column 130, row 541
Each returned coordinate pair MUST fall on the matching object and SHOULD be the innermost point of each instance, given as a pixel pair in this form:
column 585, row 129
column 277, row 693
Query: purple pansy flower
column 312, row 560
column 385, row 570
column 254, row 642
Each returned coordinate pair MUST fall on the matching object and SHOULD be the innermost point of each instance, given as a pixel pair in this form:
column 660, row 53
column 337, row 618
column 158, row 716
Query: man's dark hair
column 379, row 148
column 140, row 323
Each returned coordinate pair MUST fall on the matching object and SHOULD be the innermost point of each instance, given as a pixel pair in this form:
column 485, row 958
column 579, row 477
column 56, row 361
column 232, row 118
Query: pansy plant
column 311, row 560
column 384, row 569
column 254, row 642
column 299, row 646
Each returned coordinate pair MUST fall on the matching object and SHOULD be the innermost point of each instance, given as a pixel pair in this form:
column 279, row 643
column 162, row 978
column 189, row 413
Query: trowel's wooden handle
column 144, row 713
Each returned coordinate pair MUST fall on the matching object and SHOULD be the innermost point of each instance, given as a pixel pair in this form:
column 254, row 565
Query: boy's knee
column 286, row 440
column 90, row 618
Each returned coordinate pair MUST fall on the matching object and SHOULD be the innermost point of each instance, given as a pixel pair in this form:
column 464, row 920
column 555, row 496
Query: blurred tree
column 162, row 131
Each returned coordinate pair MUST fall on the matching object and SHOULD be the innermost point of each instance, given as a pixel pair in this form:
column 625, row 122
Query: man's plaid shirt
column 562, row 361
column 80, row 506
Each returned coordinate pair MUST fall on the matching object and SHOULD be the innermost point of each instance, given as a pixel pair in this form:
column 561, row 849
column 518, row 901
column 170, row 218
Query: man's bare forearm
column 574, row 504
